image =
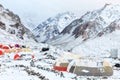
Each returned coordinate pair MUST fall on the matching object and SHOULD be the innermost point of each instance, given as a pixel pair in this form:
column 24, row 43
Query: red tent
column 1, row 45
column 59, row 68
column 16, row 57
column 61, row 65
column 1, row 52
column 5, row 47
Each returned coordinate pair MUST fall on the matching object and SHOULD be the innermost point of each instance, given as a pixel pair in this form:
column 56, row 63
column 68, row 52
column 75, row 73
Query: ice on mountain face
column 53, row 26
column 90, row 26
column 107, row 15
column 64, row 20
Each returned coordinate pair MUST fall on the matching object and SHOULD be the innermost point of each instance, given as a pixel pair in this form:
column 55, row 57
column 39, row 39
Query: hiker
column 56, row 73
column 75, row 78
column 32, row 63
column 61, row 74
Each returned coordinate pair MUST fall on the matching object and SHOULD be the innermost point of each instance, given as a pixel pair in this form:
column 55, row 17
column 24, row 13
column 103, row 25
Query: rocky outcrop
column 11, row 23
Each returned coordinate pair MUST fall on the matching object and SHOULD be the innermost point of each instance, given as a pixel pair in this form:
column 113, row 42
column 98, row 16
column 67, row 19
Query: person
column 75, row 78
column 32, row 63
column 61, row 74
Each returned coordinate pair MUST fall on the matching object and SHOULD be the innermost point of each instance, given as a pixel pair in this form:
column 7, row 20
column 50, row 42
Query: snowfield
column 43, row 67
column 34, row 63
column 43, row 62
column 100, row 45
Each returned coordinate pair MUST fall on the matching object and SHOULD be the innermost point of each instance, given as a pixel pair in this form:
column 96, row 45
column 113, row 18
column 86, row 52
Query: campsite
column 29, row 61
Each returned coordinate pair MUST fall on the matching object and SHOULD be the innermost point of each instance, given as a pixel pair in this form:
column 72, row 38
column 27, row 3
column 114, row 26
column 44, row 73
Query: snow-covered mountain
column 29, row 20
column 24, row 67
column 53, row 26
column 11, row 23
column 90, row 26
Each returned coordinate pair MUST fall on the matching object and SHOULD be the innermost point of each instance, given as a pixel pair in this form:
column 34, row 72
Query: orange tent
column 16, row 57
column 1, row 52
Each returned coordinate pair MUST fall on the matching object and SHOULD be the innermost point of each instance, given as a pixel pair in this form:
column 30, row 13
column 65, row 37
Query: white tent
column 90, row 67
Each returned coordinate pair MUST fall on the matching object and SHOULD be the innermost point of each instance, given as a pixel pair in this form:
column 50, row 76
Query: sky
column 40, row 10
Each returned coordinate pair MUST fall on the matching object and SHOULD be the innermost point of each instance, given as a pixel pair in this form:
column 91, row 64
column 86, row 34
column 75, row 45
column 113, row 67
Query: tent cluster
column 83, row 66
column 16, row 48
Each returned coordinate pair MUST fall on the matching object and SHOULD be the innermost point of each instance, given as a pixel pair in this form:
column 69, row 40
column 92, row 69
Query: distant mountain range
column 94, row 32
column 91, row 26
column 52, row 27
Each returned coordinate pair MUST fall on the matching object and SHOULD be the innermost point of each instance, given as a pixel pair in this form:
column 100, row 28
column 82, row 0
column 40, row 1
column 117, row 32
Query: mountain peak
column 111, row 6
column 106, row 5
column 53, row 26
column 93, row 24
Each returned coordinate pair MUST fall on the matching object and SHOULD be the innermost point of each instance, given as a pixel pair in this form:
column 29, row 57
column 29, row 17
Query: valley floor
column 42, row 70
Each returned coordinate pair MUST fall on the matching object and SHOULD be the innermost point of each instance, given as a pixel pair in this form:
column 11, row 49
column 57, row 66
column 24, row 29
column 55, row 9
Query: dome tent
column 6, row 47
column 16, row 56
column 1, row 52
column 87, row 67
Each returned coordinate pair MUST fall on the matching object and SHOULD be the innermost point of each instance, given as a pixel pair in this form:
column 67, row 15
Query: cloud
column 46, row 8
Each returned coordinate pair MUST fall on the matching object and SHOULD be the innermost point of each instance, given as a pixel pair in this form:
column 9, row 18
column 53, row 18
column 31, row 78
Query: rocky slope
column 53, row 26
column 11, row 23
column 90, row 26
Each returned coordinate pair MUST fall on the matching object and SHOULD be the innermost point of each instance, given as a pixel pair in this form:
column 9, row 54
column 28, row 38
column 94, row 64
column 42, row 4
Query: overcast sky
column 42, row 9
